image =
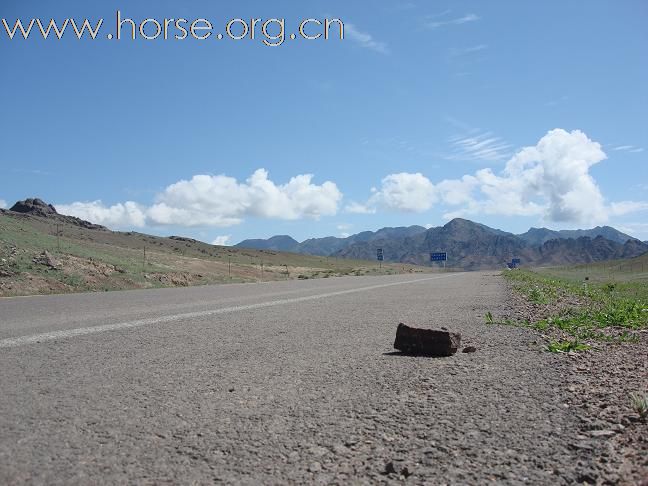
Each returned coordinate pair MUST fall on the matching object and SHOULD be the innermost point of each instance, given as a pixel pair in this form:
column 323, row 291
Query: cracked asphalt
column 274, row 383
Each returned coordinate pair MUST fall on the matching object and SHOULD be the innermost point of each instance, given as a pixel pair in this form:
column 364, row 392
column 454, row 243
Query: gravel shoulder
column 597, row 385
column 304, row 393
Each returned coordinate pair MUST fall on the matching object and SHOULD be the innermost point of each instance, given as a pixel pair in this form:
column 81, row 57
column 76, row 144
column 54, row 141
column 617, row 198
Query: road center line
column 82, row 331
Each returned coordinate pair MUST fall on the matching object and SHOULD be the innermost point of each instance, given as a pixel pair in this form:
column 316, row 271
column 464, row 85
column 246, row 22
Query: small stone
column 315, row 467
column 587, row 477
column 602, row 433
column 293, row 456
column 469, row 349
column 389, row 468
column 318, row 451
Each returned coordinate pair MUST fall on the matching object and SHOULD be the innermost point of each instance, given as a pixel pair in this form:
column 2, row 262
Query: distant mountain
column 472, row 245
column 276, row 243
column 469, row 245
column 538, row 236
column 329, row 245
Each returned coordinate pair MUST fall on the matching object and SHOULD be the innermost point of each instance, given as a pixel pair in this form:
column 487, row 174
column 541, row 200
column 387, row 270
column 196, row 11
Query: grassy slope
column 631, row 270
column 92, row 260
column 611, row 297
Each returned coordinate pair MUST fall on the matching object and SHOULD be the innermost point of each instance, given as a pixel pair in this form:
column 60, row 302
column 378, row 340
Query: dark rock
column 427, row 342
column 588, row 477
column 469, row 349
column 389, row 468
column 184, row 239
column 34, row 206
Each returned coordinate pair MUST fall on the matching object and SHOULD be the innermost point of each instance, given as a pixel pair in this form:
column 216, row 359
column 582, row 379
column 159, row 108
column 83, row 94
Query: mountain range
column 469, row 245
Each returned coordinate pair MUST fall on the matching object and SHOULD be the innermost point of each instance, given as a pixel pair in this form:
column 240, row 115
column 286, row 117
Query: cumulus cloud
column 223, row 201
column 3, row 204
column 405, row 192
column 121, row 215
column 551, row 179
column 223, row 240
column 206, row 200
column 357, row 208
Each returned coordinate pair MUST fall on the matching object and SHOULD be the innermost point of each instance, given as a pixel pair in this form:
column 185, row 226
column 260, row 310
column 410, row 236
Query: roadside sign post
column 439, row 256
column 380, row 256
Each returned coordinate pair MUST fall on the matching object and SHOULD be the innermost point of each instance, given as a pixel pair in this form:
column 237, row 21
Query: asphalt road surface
column 276, row 383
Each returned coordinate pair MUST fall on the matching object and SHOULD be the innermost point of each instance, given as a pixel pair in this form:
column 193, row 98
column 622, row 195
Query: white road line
column 82, row 331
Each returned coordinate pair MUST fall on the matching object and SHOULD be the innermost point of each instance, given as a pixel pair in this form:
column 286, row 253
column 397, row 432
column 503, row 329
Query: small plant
column 640, row 404
column 489, row 318
column 565, row 346
column 537, row 295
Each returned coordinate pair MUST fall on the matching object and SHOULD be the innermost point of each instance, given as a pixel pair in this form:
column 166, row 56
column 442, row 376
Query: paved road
column 276, row 382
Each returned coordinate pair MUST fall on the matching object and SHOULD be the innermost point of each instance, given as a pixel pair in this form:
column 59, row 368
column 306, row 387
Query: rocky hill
column 39, row 208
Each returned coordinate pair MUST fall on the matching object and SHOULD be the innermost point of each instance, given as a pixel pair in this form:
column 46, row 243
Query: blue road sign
column 438, row 256
column 379, row 254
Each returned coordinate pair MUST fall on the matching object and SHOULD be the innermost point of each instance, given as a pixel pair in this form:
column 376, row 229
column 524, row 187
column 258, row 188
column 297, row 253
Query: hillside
column 88, row 257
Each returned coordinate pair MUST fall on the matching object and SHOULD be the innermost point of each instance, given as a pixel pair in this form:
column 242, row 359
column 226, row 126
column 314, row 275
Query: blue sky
column 513, row 114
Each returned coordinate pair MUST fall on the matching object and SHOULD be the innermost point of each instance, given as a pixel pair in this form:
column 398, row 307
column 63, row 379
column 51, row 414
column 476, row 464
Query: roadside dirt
column 598, row 385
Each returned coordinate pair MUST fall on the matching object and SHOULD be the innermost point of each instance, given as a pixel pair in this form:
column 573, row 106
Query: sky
column 512, row 114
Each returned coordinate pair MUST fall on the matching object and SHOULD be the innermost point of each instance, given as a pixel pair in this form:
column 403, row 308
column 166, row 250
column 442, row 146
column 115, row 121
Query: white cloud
column 3, row 204
column 626, row 207
column 344, row 228
column 357, row 208
column 628, row 148
column 434, row 24
column 364, row 39
column 223, row 240
column 223, row 201
column 550, row 179
column 405, row 192
column 479, row 146
column 219, row 201
column 121, row 215
column 637, row 230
